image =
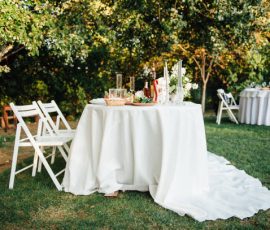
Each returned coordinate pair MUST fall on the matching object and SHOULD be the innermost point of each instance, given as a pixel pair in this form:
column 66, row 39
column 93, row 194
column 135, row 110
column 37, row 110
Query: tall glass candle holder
column 180, row 89
column 132, row 84
column 118, row 80
column 180, row 84
column 167, row 81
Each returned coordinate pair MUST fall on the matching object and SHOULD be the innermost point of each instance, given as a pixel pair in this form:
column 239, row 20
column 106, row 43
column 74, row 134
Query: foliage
column 23, row 25
column 254, row 68
column 215, row 32
column 80, row 44
column 143, row 100
column 59, row 26
column 46, row 78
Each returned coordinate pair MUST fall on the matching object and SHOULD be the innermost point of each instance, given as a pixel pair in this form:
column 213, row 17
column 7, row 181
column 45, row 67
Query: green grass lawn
column 35, row 202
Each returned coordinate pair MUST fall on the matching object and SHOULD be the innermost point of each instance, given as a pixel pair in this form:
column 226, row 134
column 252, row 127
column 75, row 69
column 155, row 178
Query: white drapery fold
column 161, row 149
column 254, row 107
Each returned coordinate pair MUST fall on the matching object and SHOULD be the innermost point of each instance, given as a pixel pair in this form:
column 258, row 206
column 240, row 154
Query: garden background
column 70, row 50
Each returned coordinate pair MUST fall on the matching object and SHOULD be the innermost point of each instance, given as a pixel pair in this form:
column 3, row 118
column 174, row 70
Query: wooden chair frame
column 38, row 142
column 47, row 109
column 227, row 103
column 52, row 107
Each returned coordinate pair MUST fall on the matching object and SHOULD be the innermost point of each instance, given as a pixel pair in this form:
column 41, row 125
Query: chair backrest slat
column 25, row 107
column 29, row 113
column 227, row 98
column 21, row 123
column 49, row 104
column 26, row 110
column 52, row 107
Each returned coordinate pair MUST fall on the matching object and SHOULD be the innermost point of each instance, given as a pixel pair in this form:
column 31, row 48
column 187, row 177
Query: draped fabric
column 161, row 149
column 254, row 107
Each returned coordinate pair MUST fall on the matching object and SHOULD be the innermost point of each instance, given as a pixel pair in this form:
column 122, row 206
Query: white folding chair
column 52, row 108
column 38, row 142
column 47, row 109
column 227, row 103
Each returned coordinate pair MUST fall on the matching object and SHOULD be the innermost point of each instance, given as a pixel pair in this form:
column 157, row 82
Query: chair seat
column 47, row 141
column 52, row 140
column 236, row 107
column 63, row 133
column 66, row 132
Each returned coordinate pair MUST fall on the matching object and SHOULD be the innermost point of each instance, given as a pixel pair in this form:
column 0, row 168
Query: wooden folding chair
column 227, row 103
column 52, row 108
column 38, row 142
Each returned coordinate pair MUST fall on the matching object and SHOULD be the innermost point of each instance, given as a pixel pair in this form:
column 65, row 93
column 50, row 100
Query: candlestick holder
column 118, row 80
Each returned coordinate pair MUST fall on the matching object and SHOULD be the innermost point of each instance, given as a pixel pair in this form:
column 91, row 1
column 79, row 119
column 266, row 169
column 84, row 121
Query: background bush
column 70, row 50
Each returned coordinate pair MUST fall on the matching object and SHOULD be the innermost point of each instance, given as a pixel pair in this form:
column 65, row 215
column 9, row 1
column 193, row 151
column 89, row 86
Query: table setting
column 132, row 141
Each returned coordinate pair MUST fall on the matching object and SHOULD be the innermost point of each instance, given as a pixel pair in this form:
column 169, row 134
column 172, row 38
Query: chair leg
column 66, row 147
column 53, row 155
column 219, row 114
column 35, row 162
column 231, row 115
column 40, row 162
column 43, row 160
column 13, row 167
column 14, row 158
column 63, row 153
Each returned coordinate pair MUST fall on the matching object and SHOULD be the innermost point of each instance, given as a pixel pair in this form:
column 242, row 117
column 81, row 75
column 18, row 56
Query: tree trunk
column 205, row 74
column 203, row 95
column 204, row 81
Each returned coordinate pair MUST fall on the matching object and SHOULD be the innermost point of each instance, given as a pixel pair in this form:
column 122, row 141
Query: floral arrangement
column 187, row 84
column 140, row 98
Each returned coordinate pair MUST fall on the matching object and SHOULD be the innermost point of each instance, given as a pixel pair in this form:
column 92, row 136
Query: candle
column 132, row 84
column 180, row 73
column 167, row 83
column 118, row 80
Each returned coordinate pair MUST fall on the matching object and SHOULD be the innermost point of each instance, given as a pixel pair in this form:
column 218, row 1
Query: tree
column 217, row 31
column 23, row 25
column 141, row 30
column 107, row 36
column 31, row 25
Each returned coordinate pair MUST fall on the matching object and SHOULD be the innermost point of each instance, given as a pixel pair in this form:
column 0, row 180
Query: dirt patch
column 53, row 214
column 6, row 151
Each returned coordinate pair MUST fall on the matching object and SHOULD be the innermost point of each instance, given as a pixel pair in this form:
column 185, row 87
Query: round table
column 161, row 149
column 254, row 107
column 137, row 148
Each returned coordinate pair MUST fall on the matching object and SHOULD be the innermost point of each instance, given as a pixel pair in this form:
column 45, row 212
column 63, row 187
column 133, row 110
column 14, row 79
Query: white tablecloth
column 161, row 149
column 255, row 107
